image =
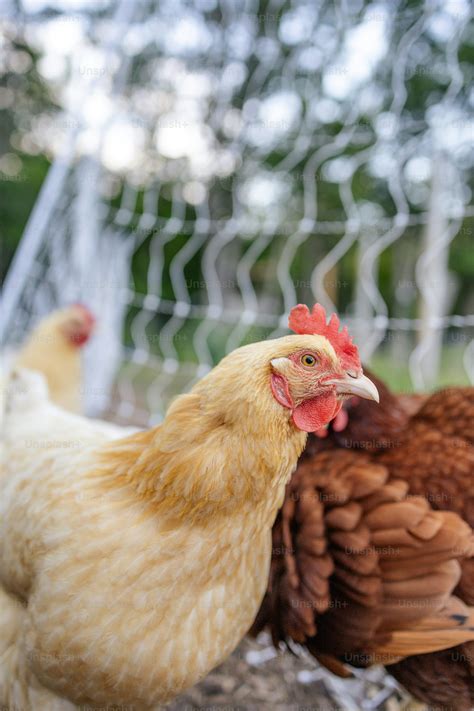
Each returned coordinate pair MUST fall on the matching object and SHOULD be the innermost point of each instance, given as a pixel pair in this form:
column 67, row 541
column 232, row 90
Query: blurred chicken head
column 76, row 323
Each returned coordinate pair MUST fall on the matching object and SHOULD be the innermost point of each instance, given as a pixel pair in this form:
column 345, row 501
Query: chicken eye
column 308, row 360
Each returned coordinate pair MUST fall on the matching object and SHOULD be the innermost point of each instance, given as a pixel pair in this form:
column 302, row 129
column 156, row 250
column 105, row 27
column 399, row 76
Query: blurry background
column 191, row 170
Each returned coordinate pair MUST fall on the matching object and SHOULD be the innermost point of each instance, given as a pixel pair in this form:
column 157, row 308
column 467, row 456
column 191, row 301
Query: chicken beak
column 360, row 385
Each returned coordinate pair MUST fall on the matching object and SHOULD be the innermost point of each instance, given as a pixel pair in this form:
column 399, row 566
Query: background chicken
column 133, row 565
column 372, row 553
column 53, row 348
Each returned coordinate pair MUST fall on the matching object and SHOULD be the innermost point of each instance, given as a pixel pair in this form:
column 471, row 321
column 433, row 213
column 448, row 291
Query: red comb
column 302, row 321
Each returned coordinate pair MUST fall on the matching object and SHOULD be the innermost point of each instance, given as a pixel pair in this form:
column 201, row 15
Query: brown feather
column 389, row 501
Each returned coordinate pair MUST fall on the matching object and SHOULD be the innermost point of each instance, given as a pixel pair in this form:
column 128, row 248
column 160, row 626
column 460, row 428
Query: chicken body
column 54, row 349
column 131, row 566
column 372, row 553
column 442, row 471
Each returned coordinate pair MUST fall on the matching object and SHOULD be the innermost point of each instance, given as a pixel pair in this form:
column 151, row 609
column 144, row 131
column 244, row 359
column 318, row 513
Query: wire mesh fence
column 218, row 162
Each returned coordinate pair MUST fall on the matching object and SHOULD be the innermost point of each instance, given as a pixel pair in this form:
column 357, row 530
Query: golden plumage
column 142, row 559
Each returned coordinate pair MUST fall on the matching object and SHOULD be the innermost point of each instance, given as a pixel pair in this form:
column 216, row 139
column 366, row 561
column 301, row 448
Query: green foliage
column 397, row 374
column 18, row 197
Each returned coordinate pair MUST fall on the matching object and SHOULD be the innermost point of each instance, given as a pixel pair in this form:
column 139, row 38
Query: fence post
column 433, row 280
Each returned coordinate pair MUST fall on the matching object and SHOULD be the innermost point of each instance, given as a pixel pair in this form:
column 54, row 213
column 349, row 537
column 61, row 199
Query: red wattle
column 316, row 412
column 80, row 338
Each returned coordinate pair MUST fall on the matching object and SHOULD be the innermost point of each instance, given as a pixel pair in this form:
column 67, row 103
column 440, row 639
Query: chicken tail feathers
column 451, row 626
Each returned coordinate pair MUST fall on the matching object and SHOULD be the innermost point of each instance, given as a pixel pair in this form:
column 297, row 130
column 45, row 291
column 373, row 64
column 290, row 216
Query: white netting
column 222, row 161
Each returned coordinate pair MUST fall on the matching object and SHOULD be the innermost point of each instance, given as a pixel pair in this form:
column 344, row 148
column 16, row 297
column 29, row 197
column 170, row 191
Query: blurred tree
column 24, row 95
column 283, row 107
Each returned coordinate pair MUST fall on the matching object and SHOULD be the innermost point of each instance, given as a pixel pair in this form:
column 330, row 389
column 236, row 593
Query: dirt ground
column 257, row 678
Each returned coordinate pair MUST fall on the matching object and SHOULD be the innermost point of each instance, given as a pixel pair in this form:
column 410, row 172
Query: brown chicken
column 372, row 551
